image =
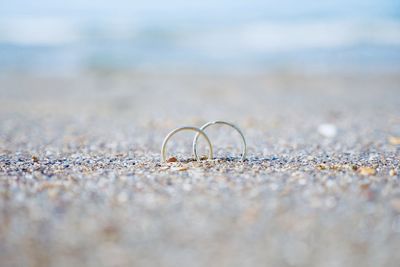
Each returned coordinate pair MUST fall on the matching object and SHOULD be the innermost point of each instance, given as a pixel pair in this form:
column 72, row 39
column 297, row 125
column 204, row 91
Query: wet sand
column 81, row 182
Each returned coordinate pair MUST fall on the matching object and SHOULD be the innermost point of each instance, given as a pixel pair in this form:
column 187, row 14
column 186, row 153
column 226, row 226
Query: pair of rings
column 200, row 131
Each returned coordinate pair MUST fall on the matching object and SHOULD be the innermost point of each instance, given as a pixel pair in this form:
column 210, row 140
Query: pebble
column 366, row 171
column 180, row 168
column 172, row 159
column 327, row 130
column 392, row 172
column 394, row 140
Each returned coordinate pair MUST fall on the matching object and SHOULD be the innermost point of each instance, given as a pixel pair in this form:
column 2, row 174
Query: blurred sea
column 60, row 36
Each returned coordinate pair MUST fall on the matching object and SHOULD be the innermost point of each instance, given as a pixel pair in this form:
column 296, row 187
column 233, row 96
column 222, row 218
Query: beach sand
column 81, row 182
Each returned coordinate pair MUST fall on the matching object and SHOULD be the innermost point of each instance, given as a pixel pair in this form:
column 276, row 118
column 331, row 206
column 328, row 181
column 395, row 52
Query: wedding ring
column 188, row 128
column 202, row 128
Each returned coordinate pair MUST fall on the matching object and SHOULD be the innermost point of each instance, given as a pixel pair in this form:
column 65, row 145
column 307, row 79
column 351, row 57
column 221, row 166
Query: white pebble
column 327, row 130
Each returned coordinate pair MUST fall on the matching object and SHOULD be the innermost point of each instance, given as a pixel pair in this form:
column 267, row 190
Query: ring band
column 202, row 128
column 188, row 128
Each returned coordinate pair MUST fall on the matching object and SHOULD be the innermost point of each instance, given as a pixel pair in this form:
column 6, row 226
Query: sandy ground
column 81, row 183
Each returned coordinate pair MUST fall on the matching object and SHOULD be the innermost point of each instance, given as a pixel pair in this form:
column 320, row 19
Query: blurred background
column 48, row 36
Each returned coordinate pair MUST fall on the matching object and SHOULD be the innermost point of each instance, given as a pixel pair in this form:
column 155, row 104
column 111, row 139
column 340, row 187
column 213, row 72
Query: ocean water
column 51, row 36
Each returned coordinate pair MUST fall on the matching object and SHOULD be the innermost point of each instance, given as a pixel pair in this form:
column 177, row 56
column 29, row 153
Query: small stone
column 327, row 130
column 367, row 171
column 172, row 159
column 164, row 168
column 35, row 159
column 336, row 167
column 321, row 167
column 179, row 168
column 394, row 140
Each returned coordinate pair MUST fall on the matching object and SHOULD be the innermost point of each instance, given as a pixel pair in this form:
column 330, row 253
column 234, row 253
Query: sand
column 81, row 183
